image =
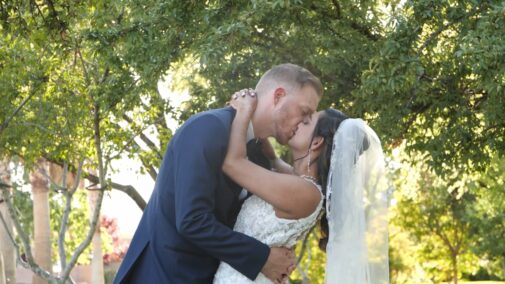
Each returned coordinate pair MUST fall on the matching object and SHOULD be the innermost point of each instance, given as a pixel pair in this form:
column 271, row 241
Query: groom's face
column 292, row 108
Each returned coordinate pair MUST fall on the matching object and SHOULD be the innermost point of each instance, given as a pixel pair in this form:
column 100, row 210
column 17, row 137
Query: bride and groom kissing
column 225, row 209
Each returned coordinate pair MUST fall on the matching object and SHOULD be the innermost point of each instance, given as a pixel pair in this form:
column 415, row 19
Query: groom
column 186, row 228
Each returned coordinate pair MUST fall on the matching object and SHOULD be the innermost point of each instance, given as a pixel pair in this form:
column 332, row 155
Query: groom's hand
column 279, row 264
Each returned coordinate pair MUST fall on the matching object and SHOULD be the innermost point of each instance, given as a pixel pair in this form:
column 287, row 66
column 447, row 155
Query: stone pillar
column 7, row 249
column 41, row 221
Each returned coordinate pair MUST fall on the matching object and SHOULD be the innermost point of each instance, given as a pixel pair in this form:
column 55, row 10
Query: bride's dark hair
column 326, row 126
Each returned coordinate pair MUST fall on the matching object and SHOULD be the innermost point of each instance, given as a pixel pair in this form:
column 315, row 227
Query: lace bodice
column 257, row 219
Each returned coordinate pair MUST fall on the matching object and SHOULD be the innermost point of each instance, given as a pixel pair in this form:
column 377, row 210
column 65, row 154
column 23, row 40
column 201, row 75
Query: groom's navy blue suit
column 185, row 229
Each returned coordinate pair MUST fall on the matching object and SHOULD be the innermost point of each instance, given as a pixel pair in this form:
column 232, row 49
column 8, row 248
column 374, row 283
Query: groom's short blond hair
column 290, row 75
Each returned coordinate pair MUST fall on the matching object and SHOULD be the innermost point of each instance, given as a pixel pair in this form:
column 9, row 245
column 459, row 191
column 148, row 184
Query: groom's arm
column 199, row 156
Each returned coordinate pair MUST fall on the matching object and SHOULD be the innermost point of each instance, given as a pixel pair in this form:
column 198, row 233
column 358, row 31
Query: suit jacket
column 186, row 228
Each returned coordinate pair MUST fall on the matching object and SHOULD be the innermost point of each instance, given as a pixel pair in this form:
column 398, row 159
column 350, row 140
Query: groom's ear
column 278, row 94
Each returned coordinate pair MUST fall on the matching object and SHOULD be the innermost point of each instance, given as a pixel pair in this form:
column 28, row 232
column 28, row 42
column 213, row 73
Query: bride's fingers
column 251, row 92
column 243, row 93
column 245, row 99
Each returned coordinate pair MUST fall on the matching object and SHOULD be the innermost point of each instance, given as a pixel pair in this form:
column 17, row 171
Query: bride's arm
column 290, row 195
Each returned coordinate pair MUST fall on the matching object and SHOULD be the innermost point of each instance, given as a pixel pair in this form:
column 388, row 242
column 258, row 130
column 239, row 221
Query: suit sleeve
column 199, row 157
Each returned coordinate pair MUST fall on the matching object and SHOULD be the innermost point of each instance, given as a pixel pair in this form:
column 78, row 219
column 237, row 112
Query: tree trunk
column 454, row 268
column 503, row 267
column 97, row 270
column 42, row 228
column 7, row 250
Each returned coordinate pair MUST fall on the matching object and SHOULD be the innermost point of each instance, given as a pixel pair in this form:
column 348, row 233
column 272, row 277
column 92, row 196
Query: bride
column 337, row 178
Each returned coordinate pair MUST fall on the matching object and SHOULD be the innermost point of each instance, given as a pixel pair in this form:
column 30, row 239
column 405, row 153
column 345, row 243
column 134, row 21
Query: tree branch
column 337, row 8
column 13, row 241
column 8, row 120
column 6, row 227
column 444, row 238
column 150, row 169
column 84, row 69
column 128, row 189
column 302, row 253
column 304, row 245
column 338, row 16
column 30, row 262
column 68, row 206
column 161, row 113
column 144, row 138
column 132, row 140
column 436, row 33
column 98, row 202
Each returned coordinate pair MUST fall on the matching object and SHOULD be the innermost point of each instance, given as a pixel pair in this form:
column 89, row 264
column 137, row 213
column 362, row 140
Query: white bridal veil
column 357, row 198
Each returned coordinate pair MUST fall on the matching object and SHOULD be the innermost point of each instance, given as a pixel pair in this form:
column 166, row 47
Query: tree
column 487, row 217
column 311, row 260
column 437, row 82
column 243, row 39
column 429, row 73
column 72, row 66
column 435, row 213
column 425, row 72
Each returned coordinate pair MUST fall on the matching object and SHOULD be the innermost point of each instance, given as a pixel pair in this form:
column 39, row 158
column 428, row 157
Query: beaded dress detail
column 257, row 219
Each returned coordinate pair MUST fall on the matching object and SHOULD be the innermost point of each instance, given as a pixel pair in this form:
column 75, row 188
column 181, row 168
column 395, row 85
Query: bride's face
column 301, row 140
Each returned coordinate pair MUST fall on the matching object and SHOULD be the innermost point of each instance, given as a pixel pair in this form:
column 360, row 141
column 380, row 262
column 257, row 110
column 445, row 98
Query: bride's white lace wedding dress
column 257, row 219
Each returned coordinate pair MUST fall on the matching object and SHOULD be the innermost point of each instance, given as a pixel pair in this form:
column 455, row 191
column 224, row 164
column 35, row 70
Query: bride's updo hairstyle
column 326, row 126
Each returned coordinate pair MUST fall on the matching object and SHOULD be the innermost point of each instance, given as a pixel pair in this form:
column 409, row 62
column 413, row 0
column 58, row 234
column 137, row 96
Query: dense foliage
column 428, row 76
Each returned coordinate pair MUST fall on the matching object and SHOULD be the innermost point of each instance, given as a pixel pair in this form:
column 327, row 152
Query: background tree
column 79, row 81
column 436, row 216
column 67, row 73
column 487, row 217
column 333, row 39
column 438, row 82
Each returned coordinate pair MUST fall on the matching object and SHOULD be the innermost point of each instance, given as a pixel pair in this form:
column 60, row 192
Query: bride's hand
column 244, row 101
